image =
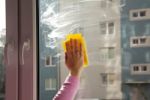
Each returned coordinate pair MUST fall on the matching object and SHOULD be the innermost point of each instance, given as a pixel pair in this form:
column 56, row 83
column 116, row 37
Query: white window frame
column 140, row 71
column 50, row 84
column 107, row 28
column 50, row 60
column 140, row 44
column 139, row 17
column 108, row 83
column 105, row 55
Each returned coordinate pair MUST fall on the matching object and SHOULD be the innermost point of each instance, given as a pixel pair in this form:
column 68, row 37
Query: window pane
column 135, row 14
column 103, row 28
column 111, row 28
column 143, row 13
column 108, row 32
column 111, row 52
column 2, row 43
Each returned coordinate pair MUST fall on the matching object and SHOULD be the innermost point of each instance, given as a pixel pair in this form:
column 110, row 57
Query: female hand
column 74, row 57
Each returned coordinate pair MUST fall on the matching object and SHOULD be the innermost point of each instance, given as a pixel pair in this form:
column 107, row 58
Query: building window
column 135, row 14
column 103, row 28
column 144, row 68
column 142, row 40
column 49, row 61
column 107, row 53
column 50, row 84
column 111, row 52
column 110, row 26
column 142, row 13
column 108, row 78
column 136, row 68
column 140, row 69
column 135, row 41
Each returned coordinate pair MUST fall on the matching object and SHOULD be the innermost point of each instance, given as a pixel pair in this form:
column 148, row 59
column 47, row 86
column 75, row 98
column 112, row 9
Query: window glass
column 144, row 68
column 2, row 43
column 143, row 40
column 136, row 68
column 108, row 78
column 112, row 39
column 143, row 13
column 103, row 28
column 135, row 14
column 111, row 28
column 50, row 84
column 135, row 41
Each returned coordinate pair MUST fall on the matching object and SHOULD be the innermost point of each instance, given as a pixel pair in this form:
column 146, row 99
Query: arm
column 68, row 89
column 74, row 62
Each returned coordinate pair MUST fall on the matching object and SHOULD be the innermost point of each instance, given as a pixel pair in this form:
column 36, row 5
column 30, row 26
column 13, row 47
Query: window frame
column 107, row 28
column 51, row 58
column 140, row 71
column 139, row 16
column 107, row 76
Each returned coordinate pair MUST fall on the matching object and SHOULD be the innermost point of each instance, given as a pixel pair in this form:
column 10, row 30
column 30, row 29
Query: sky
column 2, row 15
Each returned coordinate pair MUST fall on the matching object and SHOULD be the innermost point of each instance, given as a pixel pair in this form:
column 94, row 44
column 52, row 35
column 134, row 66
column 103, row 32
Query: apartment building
column 99, row 22
column 135, row 44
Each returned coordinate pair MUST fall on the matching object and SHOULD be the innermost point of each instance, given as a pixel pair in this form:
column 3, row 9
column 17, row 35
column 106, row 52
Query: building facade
column 100, row 26
column 117, row 34
column 48, row 59
column 135, row 49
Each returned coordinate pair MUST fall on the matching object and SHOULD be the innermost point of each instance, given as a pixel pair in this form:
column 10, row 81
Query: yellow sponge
column 81, row 39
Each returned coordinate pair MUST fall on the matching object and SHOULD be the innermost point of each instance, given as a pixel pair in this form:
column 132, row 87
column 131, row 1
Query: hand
column 74, row 57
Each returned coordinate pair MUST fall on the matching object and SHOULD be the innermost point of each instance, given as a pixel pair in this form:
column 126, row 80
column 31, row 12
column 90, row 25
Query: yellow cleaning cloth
column 81, row 39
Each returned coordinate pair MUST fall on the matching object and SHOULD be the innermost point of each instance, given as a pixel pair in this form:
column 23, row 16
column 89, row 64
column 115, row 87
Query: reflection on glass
column 107, row 31
column 2, row 42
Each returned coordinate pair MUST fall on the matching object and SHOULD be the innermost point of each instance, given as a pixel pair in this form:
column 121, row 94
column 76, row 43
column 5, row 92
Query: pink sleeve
column 68, row 89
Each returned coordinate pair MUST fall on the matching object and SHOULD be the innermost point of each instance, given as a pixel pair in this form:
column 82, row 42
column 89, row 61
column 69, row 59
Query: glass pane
column 116, row 70
column 2, row 43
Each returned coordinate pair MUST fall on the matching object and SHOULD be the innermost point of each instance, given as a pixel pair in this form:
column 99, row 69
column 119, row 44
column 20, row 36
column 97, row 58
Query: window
column 110, row 26
column 140, row 69
column 142, row 13
column 135, row 41
column 64, row 13
column 49, row 61
column 50, row 84
column 136, row 68
column 139, row 14
column 104, row 78
column 111, row 52
column 135, row 14
column 108, row 78
column 103, row 28
column 144, row 68
column 142, row 40
column 107, row 53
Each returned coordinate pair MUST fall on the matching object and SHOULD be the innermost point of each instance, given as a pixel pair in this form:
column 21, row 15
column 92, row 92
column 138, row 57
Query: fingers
column 74, row 48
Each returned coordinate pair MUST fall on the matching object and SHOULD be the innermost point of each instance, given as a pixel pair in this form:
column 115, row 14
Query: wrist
column 73, row 73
